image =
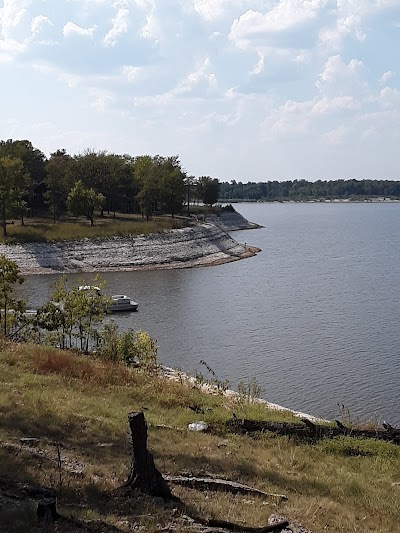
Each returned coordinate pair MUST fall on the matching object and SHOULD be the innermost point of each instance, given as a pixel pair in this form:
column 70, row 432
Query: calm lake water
column 314, row 317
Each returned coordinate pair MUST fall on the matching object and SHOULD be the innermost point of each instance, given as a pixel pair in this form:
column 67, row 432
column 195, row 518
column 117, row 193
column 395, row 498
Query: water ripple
column 314, row 317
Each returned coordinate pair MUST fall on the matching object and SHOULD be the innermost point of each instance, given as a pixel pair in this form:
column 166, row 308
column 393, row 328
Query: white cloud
column 336, row 135
column 101, row 99
column 341, row 78
column 11, row 46
column 389, row 97
column 336, row 104
column 203, row 72
column 131, row 73
column 276, row 25
column 120, row 25
column 214, row 10
column 386, row 76
column 73, row 29
column 210, row 9
column 71, row 80
column 267, row 76
column 38, row 23
column 11, row 16
column 259, row 66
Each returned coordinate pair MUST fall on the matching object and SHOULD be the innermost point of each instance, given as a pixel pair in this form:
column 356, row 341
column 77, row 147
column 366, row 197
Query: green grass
column 340, row 485
column 43, row 230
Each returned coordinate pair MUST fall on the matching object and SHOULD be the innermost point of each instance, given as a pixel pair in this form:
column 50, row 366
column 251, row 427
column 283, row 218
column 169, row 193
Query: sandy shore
column 202, row 245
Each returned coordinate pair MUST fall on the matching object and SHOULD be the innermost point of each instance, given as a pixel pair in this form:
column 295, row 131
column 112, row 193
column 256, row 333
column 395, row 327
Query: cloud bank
column 240, row 89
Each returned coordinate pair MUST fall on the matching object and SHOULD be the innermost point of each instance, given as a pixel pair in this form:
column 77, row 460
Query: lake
column 314, row 317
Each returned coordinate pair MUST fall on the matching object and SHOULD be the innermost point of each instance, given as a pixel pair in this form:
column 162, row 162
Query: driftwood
column 217, row 484
column 143, row 474
column 308, row 430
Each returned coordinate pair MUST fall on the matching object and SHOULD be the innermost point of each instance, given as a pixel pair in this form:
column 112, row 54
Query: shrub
column 128, row 346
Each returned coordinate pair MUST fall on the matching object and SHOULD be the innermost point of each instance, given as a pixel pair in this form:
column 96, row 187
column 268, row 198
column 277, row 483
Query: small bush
column 64, row 363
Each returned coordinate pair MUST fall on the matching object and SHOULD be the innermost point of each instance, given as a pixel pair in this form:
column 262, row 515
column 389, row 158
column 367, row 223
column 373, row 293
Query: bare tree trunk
column 4, row 221
column 143, row 474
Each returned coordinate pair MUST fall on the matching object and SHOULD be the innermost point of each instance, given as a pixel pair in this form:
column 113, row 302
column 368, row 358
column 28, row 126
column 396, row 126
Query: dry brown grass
column 344, row 485
column 44, row 230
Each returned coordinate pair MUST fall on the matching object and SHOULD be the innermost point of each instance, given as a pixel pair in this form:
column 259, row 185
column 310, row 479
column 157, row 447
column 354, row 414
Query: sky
column 245, row 90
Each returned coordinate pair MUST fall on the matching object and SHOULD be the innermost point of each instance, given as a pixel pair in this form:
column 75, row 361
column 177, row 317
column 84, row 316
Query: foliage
column 129, row 346
column 57, row 183
column 146, row 176
column 301, row 190
column 33, row 160
column 208, row 190
column 73, row 314
column 172, row 185
column 13, row 187
column 130, row 184
column 213, row 381
column 83, row 201
column 139, row 346
column 11, row 309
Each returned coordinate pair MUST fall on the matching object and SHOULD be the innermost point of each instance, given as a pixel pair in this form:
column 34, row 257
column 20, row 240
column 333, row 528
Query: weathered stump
column 143, row 474
column 47, row 512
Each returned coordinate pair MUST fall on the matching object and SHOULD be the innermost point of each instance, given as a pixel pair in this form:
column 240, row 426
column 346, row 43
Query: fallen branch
column 279, row 526
column 309, row 430
column 217, row 484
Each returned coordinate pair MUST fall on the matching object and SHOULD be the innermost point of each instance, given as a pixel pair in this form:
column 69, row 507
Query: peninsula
column 204, row 244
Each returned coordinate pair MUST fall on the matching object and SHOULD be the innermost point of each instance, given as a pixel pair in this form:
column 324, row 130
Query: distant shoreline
column 380, row 200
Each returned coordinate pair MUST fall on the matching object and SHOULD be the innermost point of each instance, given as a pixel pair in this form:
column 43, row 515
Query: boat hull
column 116, row 308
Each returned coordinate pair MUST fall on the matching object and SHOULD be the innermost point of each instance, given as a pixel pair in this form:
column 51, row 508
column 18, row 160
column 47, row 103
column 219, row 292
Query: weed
column 214, row 381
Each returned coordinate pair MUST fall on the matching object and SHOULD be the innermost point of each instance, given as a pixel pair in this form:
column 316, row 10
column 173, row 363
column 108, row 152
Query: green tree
column 33, row 161
column 172, row 185
column 146, row 173
column 57, row 183
column 209, row 190
column 9, row 277
column 13, row 185
column 73, row 314
column 83, row 201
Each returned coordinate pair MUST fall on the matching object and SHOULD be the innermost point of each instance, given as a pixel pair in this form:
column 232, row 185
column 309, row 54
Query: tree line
column 94, row 181
column 302, row 190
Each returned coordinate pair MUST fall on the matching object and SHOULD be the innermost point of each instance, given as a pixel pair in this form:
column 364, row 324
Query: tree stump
column 143, row 474
column 47, row 512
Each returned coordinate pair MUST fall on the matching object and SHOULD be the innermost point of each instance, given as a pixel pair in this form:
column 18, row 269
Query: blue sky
column 251, row 90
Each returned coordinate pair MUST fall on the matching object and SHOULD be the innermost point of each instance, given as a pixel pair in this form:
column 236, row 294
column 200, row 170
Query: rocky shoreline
column 177, row 375
column 204, row 244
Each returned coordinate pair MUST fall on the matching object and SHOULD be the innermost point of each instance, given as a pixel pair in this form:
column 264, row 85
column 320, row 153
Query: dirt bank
column 202, row 245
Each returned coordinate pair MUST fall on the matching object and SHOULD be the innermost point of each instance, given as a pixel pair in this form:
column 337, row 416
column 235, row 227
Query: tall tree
column 172, row 185
column 57, row 183
column 209, row 190
column 32, row 158
column 13, row 186
column 33, row 161
column 147, row 176
column 83, row 201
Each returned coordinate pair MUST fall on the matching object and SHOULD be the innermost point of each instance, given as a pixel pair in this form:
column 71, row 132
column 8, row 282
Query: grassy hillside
column 81, row 405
